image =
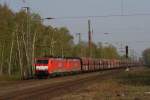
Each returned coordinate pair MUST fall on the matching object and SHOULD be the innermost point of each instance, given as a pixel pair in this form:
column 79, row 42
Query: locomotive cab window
column 41, row 61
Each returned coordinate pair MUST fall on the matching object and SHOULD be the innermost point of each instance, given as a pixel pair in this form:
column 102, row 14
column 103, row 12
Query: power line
column 103, row 16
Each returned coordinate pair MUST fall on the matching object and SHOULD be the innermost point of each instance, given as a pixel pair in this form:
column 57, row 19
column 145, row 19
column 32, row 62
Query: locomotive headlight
column 41, row 67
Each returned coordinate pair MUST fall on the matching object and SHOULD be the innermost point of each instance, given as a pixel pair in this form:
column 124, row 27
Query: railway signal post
column 127, row 56
column 90, row 37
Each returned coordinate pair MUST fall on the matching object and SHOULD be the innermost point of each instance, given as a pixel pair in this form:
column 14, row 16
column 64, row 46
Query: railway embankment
column 103, row 85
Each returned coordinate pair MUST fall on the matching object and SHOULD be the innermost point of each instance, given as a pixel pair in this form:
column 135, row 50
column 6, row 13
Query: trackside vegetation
column 132, row 85
column 23, row 36
column 146, row 57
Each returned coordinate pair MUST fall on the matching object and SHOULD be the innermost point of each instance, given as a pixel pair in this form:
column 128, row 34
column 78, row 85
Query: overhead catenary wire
column 122, row 14
column 102, row 16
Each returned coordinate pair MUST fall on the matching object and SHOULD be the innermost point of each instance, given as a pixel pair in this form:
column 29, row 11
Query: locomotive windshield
column 41, row 61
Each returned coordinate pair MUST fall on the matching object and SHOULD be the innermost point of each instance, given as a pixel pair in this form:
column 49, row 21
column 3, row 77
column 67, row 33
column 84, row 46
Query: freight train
column 47, row 66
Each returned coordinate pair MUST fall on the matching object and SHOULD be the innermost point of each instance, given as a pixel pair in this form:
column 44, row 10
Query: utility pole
column 28, row 44
column 52, row 45
column 79, row 34
column 90, row 37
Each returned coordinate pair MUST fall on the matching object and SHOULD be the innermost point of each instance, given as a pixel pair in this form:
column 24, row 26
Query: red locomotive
column 50, row 65
column 47, row 66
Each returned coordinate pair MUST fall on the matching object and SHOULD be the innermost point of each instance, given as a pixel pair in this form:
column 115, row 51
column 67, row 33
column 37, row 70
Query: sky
column 123, row 30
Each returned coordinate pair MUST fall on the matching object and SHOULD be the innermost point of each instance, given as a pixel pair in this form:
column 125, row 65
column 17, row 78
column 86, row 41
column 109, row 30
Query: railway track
column 46, row 90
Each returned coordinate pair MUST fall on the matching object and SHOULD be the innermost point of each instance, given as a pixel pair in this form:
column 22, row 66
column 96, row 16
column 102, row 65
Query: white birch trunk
column 2, row 56
column 10, row 57
column 20, row 58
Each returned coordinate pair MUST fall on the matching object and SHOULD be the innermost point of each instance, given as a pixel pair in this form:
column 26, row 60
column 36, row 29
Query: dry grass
column 132, row 85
